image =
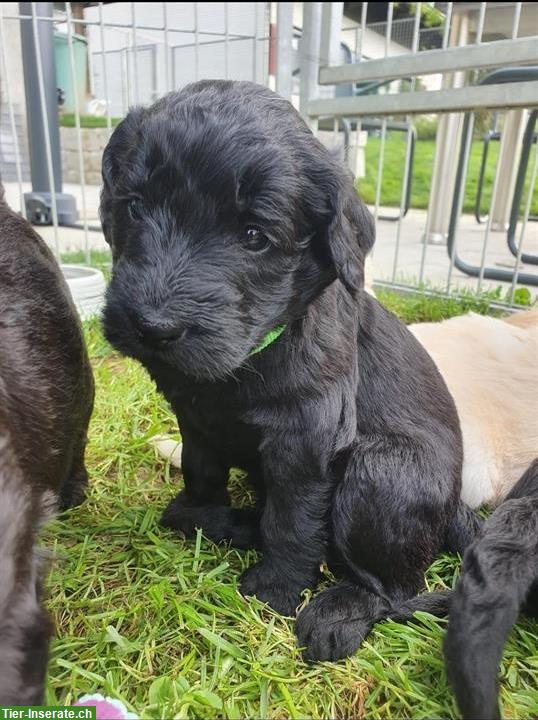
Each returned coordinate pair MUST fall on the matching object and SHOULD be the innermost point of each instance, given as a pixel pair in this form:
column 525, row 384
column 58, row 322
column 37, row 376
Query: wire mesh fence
column 395, row 96
column 413, row 77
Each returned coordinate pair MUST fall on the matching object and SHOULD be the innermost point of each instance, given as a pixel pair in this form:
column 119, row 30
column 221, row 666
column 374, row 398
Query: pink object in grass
column 107, row 708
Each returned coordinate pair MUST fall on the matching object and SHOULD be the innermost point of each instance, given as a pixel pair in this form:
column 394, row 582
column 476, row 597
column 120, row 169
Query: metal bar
column 408, row 148
column 455, row 260
column 488, row 137
column 516, row 94
column 166, row 49
column 128, row 26
column 523, row 227
column 284, row 49
column 104, row 70
column 309, row 52
column 134, row 51
column 203, row 43
column 254, row 44
column 515, row 23
column 196, row 43
column 388, row 33
column 457, row 203
column 78, row 130
column 405, row 289
column 380, row 168
column 480, row 27
column 395, row 218
column 46, row 130
column 468, row 57
column 446, row 29
column 488, row 226
column 381, row 159
column 364, row 15
column 528, row 140
column 11, row 111
column 227, row 42
column 427, row 229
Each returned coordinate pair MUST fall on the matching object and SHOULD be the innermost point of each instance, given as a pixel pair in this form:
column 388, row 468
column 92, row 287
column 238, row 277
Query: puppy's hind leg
column 386, row 530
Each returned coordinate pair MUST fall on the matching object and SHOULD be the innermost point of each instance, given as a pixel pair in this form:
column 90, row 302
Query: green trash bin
column 63, row 70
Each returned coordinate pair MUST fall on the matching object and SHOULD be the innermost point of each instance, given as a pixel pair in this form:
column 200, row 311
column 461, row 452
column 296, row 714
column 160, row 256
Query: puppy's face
column 218, row 204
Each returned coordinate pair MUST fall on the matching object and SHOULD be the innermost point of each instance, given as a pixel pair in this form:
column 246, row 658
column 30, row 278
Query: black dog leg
column 205, row 503
column 293, row 530
column 385, row 538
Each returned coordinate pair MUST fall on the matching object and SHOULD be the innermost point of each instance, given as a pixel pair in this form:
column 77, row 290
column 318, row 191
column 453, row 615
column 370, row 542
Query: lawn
column 146, row 617
column 393, row 166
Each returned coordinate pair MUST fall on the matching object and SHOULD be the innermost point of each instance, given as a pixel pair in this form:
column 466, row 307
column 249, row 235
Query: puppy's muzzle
column 160, row 334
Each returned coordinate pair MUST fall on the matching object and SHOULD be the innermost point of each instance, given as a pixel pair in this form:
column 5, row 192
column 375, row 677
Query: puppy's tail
column 499, row 578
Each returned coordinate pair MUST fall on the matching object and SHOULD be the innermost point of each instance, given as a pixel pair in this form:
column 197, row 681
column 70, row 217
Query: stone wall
column 93, row 144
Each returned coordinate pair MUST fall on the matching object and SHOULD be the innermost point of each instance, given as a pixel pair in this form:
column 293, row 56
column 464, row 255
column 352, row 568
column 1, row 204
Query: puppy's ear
column 350, row 235
column 121, row 141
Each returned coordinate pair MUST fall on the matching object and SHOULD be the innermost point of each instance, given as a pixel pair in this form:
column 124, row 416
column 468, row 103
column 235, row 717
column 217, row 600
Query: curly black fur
column 499, row 578
column 46, row 396
column 343, row 424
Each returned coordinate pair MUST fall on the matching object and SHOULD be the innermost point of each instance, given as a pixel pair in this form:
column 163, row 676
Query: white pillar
column 446, row 145
column 310, row 48
column 284, row 49
column 509, row 155
column 331, row 28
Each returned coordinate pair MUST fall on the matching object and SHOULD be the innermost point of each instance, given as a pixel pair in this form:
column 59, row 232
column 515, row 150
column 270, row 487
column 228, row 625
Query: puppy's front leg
column 204, row 503
column 293, row 526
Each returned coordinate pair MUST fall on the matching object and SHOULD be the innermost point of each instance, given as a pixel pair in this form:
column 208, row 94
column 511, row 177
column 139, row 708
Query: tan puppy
column 491, row 369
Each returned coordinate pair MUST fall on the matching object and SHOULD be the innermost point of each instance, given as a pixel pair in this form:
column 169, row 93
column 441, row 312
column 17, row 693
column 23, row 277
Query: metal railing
column 139, row 51
column 133, row 51
column 457, row 57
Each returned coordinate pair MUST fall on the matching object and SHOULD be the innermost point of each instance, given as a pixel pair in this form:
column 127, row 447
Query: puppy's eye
column 135, row 207
column 254, row 240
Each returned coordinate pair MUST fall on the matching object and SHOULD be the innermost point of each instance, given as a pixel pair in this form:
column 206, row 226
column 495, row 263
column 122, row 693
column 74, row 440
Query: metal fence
column 458, row 64
column 136, row 52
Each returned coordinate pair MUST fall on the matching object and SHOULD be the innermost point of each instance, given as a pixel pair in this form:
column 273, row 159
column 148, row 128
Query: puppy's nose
column 159, row 333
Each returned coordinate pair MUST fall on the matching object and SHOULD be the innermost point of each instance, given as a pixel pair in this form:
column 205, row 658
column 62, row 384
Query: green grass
column 394, row 159
column 153, row 620
column 87, row 121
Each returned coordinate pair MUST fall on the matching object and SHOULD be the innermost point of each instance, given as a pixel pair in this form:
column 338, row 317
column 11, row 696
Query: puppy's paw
column 218, row 522
column 267, row 585
column 180, row 516
column 334, row 624
column 73, row 492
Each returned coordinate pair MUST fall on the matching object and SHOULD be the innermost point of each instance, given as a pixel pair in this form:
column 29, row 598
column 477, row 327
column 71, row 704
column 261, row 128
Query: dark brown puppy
column 46, row 398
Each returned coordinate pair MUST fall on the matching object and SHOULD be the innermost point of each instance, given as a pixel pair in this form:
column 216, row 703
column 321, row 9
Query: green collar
column 271, row 336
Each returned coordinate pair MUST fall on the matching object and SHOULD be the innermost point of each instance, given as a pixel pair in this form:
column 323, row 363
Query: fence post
column 38, row 203
column 331, row 27
column 310, row 46
column 509, row 154
column 445, row 160
column 284, row 49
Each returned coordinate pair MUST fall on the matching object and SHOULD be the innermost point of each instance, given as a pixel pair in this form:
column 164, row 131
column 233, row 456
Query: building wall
column 131, row 82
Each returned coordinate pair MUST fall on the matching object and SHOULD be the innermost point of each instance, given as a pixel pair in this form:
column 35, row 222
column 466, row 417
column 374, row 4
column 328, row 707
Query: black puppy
column 46, row 396
column 238, row 243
